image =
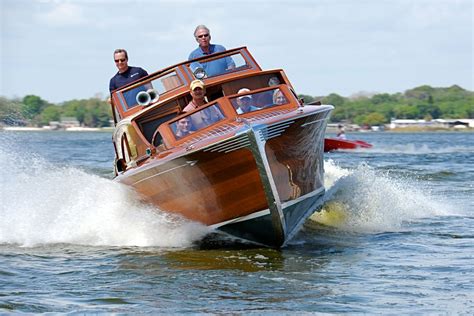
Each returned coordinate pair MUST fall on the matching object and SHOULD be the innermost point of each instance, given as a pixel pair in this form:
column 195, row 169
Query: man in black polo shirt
column 126, row 73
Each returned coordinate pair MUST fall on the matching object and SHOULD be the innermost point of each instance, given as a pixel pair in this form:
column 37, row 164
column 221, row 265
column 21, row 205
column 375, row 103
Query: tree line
column 32, row 110
column 422, row 102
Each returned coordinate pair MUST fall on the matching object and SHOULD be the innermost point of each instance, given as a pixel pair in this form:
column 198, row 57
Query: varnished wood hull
column 260, row 184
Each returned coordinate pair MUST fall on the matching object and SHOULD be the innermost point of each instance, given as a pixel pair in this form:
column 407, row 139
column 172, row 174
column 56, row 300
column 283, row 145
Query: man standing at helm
column 203, row 37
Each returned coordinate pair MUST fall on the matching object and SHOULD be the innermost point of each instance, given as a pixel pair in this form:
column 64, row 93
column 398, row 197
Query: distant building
column 333, row 127
column 67, row 122
column 437, row 123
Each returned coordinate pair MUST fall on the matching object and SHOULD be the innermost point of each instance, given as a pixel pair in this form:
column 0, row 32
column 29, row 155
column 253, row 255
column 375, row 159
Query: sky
column 63, row 50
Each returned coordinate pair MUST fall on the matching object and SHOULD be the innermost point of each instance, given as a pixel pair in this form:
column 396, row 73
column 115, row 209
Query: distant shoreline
column 71, row 129
column 328, row 131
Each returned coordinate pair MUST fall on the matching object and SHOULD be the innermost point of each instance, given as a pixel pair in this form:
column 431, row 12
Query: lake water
column 396, row 236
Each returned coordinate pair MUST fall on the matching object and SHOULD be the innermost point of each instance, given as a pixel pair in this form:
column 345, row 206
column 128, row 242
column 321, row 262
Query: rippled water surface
column 396, row 235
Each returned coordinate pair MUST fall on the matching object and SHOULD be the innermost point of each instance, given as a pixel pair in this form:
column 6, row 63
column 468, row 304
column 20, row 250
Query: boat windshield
column 196, row 121
column 250, row 102
column 217, row 66
column 149, row 91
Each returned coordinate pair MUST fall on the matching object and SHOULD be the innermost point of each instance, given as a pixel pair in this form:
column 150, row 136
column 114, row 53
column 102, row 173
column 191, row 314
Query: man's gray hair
column 201, row 27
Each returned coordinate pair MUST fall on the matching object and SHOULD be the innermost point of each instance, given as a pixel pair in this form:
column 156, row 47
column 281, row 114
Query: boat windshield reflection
column 197, row 120
column 221, row 65
column 250, row 102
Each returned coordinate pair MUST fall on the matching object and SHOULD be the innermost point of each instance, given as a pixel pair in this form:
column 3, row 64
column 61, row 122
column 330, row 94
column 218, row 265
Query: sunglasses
column 121, row 60
column 203, row 35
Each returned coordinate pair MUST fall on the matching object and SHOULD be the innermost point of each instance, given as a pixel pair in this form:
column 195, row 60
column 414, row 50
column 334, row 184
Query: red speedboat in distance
column 331, row 144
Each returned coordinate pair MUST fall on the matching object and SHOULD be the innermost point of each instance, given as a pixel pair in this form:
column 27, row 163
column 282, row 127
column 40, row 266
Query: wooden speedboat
column 256, row 175
column 331, row 144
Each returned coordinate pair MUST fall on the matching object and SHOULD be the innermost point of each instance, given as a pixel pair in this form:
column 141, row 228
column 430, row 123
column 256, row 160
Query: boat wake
column 47, row 204
column 416, row 149
column 367, row 200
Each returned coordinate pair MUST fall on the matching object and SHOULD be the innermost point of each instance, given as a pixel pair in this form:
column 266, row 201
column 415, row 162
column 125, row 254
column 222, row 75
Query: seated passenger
column 206, row 116
column 341, row 134
column 183, row 127
column 245, row 103
column 198, row 93
column 266, row 99
column 279, row 98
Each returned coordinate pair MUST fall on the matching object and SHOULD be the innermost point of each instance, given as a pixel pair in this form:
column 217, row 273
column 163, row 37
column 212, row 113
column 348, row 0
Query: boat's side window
column 157, row 139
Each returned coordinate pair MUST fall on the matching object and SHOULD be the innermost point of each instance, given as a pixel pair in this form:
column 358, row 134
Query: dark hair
column 121, row 50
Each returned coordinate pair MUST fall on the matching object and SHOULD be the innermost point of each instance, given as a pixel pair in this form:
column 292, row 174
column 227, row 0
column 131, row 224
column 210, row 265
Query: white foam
column 368, row 200
column 42, row 204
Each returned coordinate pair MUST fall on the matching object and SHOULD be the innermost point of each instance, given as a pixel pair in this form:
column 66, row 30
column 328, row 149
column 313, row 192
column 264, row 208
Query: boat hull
column 260, row 184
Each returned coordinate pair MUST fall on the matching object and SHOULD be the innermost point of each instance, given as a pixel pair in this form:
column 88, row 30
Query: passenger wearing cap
column 206, row 116
column 245, row 102
column 198, row 93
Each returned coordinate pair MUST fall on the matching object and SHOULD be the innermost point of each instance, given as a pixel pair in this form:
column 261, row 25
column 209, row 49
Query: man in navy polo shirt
column 126, row 73
column 203, row 36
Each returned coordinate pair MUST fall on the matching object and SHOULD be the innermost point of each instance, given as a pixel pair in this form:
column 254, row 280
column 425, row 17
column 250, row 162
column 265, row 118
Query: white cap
column 243, row 90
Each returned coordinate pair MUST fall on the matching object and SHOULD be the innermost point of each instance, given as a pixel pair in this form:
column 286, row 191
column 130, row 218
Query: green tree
column 11, row 112
column 32, row 106
column 306, row 98
column 374, row 118
column 50, row 113
column 334, row 99
column 383, row 98
column 407, row 112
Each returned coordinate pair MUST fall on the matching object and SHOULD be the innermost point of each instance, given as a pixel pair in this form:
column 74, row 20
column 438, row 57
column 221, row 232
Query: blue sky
column 62, row 50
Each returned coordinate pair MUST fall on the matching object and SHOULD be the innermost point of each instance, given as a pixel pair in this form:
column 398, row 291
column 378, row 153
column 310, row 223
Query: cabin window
column 250, row 102
column 218, row 66
column 153, row 88
column 197, row 120
column 149, row 127
column 167, row 82
column 130, row 96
